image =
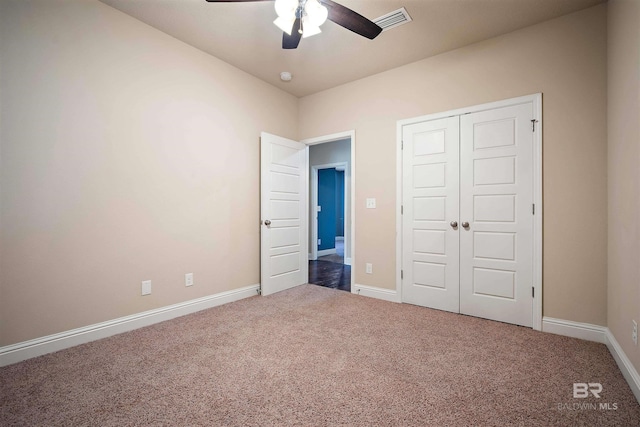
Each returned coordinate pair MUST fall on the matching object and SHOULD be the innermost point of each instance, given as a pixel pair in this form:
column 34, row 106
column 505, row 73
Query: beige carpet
column 313, row 356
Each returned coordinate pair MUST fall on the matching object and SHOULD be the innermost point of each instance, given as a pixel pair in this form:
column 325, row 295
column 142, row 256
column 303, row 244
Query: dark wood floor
column 330, row 275
column 330, row 271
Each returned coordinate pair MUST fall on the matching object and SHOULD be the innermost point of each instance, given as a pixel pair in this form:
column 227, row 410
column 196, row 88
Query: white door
column 496, row 199
column 283, row 211
column 467, row 223
column 430, row 203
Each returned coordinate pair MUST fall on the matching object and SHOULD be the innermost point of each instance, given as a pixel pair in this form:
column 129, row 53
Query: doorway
column 330, row 237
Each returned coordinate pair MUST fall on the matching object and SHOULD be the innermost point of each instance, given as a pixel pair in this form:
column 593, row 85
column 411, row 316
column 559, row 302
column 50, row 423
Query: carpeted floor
column 291, row 359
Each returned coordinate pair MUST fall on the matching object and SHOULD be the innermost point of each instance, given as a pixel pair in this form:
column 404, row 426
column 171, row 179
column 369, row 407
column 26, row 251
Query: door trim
column 536, row 101
column 314, row 201
column 350, row 244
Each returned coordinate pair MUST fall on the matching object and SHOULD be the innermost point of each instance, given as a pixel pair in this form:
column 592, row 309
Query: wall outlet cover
column 146, row 287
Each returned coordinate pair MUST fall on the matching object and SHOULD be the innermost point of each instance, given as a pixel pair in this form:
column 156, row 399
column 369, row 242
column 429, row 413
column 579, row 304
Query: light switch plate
column 371, row 203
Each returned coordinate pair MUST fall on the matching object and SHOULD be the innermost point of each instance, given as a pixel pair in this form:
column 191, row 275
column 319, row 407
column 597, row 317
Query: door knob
column 453, row 224
column 465, row 224
column 267, row 222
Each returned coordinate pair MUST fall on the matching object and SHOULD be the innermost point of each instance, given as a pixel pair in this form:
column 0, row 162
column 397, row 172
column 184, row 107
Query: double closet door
column 467, row 224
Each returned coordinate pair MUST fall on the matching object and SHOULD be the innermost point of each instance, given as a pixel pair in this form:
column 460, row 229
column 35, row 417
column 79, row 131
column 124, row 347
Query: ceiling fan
column 302, row 18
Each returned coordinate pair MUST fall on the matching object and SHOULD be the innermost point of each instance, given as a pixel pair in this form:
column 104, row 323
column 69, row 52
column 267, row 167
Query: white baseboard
column 568, row 328
column 379, row 293
column 326, row 252
column 600, row 334
column 37, row 347
column 339, row 238
column 626, row 367
column 347, row 261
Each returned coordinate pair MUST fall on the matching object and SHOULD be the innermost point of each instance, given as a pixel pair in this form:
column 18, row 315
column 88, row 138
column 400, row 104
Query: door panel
column 283, row 243
column 496, row 196
column 430, row 202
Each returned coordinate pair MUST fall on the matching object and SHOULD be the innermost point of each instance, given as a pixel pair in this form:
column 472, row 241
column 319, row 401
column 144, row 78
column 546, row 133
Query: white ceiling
column 242, row 34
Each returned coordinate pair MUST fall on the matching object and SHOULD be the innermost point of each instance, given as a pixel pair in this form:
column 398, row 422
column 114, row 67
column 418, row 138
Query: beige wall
column 624, row 172
column 324, row 154
column 125, row 155
column 565, row 59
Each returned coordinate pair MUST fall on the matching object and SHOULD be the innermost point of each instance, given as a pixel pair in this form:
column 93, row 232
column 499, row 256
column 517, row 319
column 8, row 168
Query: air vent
column 393, row 19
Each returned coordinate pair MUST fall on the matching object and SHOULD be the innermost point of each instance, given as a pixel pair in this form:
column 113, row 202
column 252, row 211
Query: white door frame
column 314, row 203
column 349, row 244
column 536, row 100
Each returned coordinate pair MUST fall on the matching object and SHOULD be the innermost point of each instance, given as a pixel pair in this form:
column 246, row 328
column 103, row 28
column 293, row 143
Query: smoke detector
column 285, row 76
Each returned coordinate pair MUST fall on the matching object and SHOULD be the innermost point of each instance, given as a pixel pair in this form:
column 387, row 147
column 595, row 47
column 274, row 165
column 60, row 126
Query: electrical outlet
column 188, row 279
column 371, row 203
column 634, row 332
column 369, row 268
column 319, row 242
column 146, row 287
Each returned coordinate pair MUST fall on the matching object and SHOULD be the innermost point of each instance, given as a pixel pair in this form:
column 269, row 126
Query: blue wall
column 331, row 199
column 327, row 201
column 340, row 203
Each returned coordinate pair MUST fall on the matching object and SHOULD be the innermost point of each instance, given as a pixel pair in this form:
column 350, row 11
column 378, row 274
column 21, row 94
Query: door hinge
column 401, row 209
column 401, row 274
column 533, row 125
column 533, row 209
column 402, row 144
column 533, row 292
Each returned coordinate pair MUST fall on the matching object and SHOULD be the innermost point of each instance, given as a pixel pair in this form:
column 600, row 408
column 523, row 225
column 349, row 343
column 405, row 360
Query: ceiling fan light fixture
column 286, row 8
column 315, row 13
column 309, row 29
column 285, row 23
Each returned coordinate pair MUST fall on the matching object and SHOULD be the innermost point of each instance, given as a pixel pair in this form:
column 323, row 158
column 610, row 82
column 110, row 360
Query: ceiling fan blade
column 351, row 20
column 292, row 41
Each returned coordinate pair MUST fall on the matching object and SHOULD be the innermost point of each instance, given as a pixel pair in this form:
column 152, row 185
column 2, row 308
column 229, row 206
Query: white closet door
column 430, row 202
column 496, row 182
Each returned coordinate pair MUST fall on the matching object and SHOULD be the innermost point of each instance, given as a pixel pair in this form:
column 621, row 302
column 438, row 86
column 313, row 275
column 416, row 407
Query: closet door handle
column 465, row 224
column 453, row 224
